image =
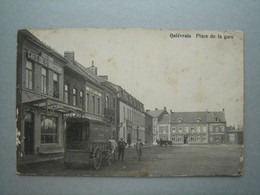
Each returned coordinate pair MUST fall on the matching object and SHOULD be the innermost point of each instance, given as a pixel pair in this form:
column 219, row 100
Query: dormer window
column 180, row 120
column 198, row 120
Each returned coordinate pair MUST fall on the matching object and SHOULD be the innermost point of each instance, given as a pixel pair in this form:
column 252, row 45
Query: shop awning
column 51, row 105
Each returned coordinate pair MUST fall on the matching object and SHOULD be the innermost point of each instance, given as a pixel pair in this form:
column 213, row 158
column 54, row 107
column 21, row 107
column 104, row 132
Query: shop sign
column 44, row 60
column 93, row 91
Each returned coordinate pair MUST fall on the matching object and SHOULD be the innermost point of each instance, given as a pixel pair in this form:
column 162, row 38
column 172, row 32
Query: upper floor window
column 55, row 85
column 81, row 98
column 74, row 97
column 66, row 94
column 87, row 102
column 93, row 104
column 98, row 106
column 124, row 112
column 114, row 103
column 44, row 80
column 107, row 101
column 29, row 75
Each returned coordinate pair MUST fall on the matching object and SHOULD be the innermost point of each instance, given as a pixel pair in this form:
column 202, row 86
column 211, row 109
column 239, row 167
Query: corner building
column 40, row 99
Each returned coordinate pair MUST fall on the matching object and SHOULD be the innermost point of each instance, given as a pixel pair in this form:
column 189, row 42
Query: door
column 28, row 134
column 185, row 139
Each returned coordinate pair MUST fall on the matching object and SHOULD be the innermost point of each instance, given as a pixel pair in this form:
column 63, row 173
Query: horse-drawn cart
column 87, row 143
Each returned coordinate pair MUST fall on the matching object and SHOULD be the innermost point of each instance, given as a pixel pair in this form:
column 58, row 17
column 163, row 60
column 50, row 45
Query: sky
column 183, row 74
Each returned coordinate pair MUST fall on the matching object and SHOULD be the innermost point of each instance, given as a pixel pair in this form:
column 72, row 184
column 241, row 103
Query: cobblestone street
column 185, row 160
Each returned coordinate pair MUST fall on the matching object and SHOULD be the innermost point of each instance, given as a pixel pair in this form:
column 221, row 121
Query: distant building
column 131, row 117
column 157, row 116
column 148, row 129
column 189, row 127
column 235, row 135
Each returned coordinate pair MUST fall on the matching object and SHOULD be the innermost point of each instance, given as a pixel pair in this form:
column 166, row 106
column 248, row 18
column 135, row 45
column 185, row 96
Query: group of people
column 120, row 148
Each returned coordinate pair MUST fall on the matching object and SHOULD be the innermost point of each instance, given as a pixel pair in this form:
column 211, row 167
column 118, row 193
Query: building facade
column 157, row 115
column 40, row 99
column 131, row 117
column 189, row 127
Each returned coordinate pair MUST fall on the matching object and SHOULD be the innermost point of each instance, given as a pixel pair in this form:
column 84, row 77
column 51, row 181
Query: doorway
column 28, row 133
column 185, row 139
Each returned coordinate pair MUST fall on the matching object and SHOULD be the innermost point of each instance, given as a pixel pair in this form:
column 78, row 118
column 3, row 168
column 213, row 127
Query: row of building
column 52, row 87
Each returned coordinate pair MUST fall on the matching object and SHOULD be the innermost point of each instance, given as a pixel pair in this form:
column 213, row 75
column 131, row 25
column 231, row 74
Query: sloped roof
column 215, row 117
column 41, row 43
column 157, row 113
column 189, row 117
column 192, row 117
column 164, row 119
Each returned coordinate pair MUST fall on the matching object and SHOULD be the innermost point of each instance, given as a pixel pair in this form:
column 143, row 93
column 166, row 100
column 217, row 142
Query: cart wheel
column 68, row 165
column 97, row 158
column 109, row 158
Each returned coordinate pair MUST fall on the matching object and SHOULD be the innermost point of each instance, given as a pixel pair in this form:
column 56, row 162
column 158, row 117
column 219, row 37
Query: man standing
column 138, row 148
column 121, row 149
column 113, row 147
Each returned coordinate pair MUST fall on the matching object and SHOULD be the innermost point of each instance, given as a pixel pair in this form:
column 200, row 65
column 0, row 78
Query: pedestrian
column 121, row 149
column 138, row 148
column 113, row 147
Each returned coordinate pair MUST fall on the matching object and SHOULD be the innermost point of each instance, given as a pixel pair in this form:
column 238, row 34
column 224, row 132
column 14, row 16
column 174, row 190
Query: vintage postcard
column 129, row 102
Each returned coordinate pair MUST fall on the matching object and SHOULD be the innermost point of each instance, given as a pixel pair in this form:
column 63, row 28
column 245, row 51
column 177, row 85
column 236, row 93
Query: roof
column 215, row 117
column 164, row 119
column 31, row 37
column 197, row 117
column 189, row 117
column 157, row 113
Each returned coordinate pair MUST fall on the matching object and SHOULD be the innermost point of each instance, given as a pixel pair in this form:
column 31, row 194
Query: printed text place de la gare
column 201, row 36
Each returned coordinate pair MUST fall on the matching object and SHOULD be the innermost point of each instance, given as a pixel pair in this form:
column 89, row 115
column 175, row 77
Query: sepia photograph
column 129, row 102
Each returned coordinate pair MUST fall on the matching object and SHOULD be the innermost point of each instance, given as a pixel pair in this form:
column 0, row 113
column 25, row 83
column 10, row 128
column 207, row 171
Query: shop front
column 42, row 130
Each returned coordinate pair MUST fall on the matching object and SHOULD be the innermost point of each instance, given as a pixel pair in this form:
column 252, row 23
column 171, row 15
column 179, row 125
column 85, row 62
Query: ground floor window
column 49, row 129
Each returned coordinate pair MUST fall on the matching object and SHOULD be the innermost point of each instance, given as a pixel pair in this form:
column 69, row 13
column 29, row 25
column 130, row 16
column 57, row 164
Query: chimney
column 147, row 110
column 93, row 68
column 223, row 110
column 164, row 108
column 171, row 111
column 104, row 77
column 156, row 108
column 69, row 55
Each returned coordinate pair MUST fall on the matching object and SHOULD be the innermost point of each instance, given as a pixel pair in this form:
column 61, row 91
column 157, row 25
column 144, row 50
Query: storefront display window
column 49, row 127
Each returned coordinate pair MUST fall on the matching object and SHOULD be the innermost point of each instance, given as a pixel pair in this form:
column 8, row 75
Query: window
column 55, row 85
column 66, row 94
column 124, row 112
column 180, row 120
column 210, row 129
column 87, row 102
column 114, row 103
column 98, row 106
column 29, row 75
column 107, row 102
column 49, row 129
column 74, row 100
column 93, row 104
column 44, row 81
column 81, row 98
